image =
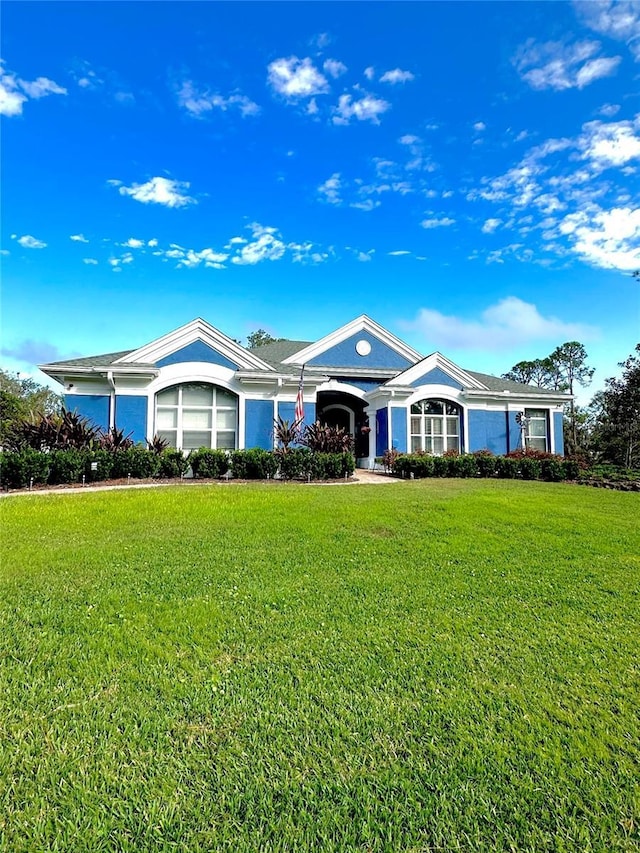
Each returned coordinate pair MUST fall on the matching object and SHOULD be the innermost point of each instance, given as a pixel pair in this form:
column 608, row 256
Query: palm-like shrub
column 326, row 439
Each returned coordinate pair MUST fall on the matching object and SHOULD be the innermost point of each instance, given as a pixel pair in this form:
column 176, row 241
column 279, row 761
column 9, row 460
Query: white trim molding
column 196, row 330
column 432, row 362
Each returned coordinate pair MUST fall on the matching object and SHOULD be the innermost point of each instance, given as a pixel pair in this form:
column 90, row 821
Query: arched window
column 435, row 426
column 196, row 415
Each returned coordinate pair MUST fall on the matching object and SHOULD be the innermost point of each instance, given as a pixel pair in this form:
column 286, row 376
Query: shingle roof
column 276, row 351
column 494, row 383
column 91, row 361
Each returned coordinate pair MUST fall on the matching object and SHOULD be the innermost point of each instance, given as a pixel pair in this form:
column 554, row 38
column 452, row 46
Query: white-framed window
column 536, row 431
column 435, row 426
column 196, row 414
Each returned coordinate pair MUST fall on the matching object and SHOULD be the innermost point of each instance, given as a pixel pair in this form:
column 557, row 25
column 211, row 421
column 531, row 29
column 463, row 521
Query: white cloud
column 617, row 19
column 509, row 323
column 329, row 191
column 370, row 72
column 158, row 191
column 264, row 247
column 198, row 103
column 368, row 108
column 40, row 88
column 558, row 66
column 443, row 222
column 78, row 238
column 365, row 257
column 366, row 205
column 490, row 225
column 29, row 242
column 90, row 261
column 14, row 91
column 133, row 243
column 609, row 110
column 334, row 68
column 409, row 139
column 307, row 253
column 153, row 242
column 397, row 75
column 479, row 126
column 605, row 238
column 296, row 78
column 210, row 258
column 399, row 252
column 612, row 144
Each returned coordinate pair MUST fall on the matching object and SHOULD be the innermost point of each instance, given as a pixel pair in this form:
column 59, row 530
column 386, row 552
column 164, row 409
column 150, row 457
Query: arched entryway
column 339, row 409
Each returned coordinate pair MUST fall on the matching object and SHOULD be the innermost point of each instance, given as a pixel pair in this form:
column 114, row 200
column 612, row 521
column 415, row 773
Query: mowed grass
column 435, row 665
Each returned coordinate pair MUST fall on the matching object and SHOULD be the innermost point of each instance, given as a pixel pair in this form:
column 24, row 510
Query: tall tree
column 540, row 372
column 617, row 431
column 21, row 398
column 259, row 338
column 570, row 364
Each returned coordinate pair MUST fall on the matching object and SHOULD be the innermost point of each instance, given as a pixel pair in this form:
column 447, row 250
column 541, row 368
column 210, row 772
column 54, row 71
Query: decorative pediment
column 361, row 343
column 435, row 369
column 197, row 341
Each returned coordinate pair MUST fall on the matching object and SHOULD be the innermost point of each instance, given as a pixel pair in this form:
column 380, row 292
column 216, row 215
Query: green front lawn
column 434, row 665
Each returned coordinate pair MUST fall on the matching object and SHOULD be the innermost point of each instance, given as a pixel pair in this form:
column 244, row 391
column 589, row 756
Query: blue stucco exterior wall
column 437, row 376
column 399, row 429
column 345, row 355
column 287, row 412
column 558, row 421
column 95, row 407
column 196, row 351
column 382, row 431
column 487, row 431
column 131, row 416
column 258, row 424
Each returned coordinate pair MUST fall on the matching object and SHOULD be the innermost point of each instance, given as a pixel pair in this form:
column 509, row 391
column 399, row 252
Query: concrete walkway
column 360, row 477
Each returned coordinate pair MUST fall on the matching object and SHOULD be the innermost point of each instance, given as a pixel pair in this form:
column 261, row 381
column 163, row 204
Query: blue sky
column 464, row 173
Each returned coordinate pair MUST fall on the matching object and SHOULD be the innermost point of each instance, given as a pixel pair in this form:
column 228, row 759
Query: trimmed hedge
column 515, row 466
column 18, row 469
column 207, row 463
column 254, row 464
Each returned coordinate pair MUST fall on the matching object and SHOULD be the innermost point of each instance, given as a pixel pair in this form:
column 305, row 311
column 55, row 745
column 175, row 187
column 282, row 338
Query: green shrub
column 463, row 466
column 206, row 463
column 552, row 470
column 421, row 466
column 136, row 461
column 254, row 464
column 441, row 466
column 66, row 466
column 485, row 463
column 171, row 462
column 295, row 463
column 18, row 467
column 572, row 469
column 530, row 468
column 336, row 466
column 104, row 461
column 507, row 467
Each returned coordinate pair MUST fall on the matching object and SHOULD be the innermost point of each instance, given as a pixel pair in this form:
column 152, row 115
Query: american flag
column 299, row 410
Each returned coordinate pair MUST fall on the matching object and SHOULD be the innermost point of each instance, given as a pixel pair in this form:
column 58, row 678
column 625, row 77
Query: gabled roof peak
column 359, row 324
column 196, row 330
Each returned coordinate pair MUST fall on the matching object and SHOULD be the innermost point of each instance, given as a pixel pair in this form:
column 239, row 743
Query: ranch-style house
column 196, row 387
